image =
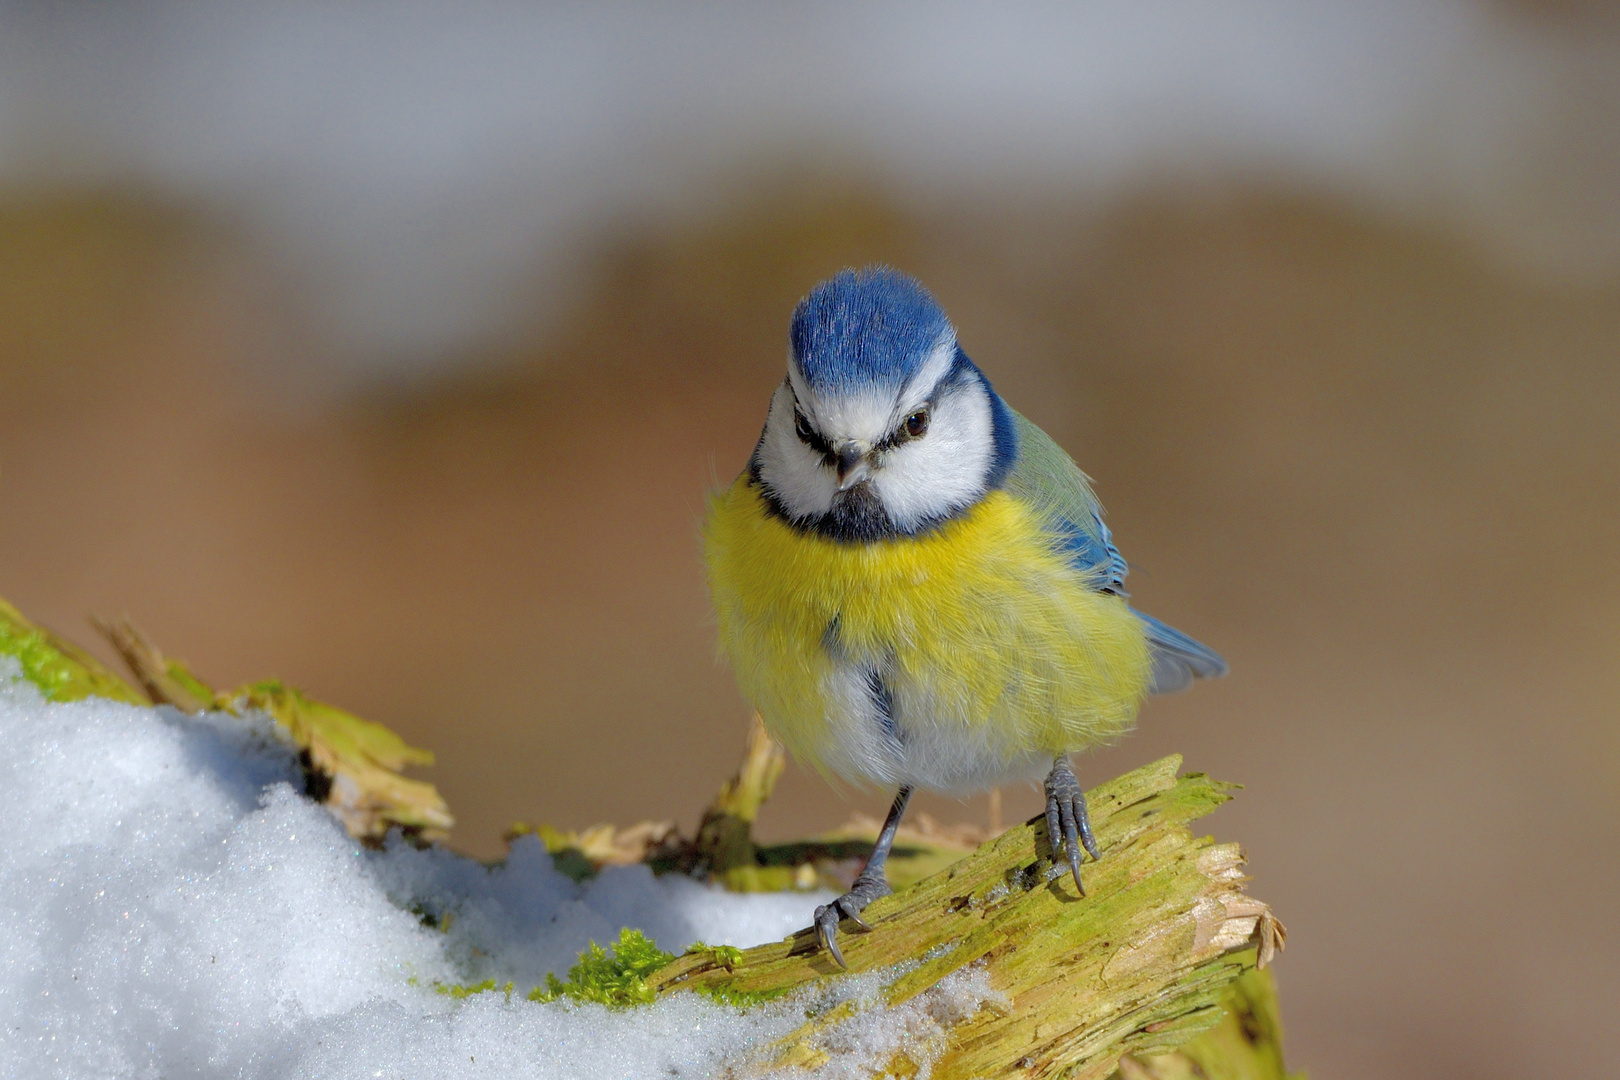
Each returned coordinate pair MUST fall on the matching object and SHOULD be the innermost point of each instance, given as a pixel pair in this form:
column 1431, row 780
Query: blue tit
column 913, row 583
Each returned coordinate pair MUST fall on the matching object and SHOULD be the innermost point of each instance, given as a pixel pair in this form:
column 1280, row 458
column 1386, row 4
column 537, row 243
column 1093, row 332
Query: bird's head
column 882, row 425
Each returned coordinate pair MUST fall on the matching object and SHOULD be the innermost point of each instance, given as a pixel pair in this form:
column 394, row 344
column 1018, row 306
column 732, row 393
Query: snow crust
column 171, row 907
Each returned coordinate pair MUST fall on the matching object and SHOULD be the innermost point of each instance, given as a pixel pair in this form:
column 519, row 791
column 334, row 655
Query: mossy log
column 1139, row 965
column 725, row 835
column 61, row 670
column 352, row 766
column 1152, row 975
column 1245, row 1045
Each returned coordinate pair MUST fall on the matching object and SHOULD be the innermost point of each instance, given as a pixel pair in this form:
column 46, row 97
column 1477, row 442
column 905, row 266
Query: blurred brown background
column 1362, row 452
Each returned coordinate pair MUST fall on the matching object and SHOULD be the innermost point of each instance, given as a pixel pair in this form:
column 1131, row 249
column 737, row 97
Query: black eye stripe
column 812, row 438
column 809, row 435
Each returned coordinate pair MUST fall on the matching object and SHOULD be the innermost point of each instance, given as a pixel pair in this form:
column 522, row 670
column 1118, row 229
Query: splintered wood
column 1138, row 966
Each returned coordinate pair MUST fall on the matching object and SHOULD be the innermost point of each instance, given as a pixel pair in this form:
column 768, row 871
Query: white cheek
column 943, row 471
column 794, row 473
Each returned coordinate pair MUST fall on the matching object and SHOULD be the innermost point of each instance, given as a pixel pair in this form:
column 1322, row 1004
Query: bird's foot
column 1067, row 823
column 867, row 888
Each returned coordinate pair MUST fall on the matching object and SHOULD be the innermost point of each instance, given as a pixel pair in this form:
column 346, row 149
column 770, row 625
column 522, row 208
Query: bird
column 913, row 584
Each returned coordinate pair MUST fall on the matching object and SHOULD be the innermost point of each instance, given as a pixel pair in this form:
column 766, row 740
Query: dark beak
column 852, row 465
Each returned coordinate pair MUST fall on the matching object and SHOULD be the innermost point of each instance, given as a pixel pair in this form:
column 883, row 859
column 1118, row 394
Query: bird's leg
column 1067, row 823
column 871, row 884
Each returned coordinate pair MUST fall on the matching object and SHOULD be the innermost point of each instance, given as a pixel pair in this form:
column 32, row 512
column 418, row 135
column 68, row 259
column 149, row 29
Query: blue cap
column 869, row 327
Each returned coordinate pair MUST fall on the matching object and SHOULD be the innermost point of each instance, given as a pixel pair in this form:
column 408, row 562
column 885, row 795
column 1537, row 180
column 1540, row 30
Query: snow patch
column 173, row 907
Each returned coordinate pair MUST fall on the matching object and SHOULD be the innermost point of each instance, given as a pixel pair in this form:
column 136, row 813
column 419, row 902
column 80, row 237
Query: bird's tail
column 1177, row 658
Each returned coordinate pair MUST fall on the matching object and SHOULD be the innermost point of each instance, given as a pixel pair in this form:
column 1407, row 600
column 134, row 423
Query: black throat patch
column 857, row 515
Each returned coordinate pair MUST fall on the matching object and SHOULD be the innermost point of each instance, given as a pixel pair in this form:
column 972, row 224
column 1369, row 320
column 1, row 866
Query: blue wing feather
column 1048, row 479
column 1092, row 552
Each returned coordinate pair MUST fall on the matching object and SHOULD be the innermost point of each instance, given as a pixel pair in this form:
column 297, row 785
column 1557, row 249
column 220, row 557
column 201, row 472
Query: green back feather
column 1046, row 478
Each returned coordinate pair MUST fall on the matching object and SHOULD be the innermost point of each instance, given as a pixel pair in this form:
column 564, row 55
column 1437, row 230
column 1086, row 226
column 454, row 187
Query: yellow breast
column 987, row 638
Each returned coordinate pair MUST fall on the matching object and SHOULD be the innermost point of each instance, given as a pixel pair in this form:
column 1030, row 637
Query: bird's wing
column 1047, row 479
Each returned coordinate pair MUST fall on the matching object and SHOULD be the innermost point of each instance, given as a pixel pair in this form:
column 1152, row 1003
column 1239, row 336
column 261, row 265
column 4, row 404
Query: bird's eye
column 917, row 423
column 802, row 426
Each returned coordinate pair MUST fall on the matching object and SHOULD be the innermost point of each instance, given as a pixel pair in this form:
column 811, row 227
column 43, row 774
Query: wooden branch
column 60, row 669
column 1245, row 1045
column 1139, row 965
column 352, row 766
column 1151, row 976
column 166, row 682
column 725, row 835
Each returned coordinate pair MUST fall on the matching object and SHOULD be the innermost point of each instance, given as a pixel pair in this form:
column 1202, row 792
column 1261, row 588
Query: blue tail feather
column 1177, row 658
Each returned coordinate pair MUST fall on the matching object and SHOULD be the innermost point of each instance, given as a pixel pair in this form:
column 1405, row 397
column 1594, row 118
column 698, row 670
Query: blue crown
column 869, row 327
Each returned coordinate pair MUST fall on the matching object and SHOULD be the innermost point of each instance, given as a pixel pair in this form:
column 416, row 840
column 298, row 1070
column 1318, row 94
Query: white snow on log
column 173, row 907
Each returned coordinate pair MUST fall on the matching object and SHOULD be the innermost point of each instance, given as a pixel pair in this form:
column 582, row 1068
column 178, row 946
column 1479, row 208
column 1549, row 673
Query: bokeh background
column 391, row 348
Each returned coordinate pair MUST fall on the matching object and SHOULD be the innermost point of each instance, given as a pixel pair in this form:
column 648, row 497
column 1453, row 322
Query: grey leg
column 872, row 884
column 1067, row 823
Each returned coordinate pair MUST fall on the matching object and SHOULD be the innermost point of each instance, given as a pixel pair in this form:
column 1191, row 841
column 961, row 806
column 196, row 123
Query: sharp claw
column 1074, row 866
column 1053, row 830
column 1071, row 837
column 828, row 918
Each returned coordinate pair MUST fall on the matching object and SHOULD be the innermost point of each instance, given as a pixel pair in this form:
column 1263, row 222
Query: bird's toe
column 1068, row 825
column 849, row 906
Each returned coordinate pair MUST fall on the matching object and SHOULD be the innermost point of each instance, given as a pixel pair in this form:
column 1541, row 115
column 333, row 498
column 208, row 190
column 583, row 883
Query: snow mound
column 172, row 907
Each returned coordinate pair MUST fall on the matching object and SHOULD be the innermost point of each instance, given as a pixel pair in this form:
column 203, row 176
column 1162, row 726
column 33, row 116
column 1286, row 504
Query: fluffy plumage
column 951, row 660
column 914, row 584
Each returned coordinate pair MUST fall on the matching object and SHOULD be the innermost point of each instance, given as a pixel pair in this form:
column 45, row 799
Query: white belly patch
column 889, row 729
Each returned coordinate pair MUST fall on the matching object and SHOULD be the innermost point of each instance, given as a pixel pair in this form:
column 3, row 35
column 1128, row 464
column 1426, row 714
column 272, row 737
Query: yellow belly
column 996, row 652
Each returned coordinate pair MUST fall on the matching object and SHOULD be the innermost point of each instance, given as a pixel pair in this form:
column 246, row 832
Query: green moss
column 728, row 957
column 1133, row 968
column 61, row 670
column 618, row 980
column 738, row 998
column 725, row 956
column 462, row 991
